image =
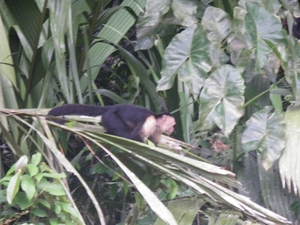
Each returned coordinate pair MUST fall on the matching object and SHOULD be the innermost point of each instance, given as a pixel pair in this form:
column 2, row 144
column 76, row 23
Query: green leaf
column 154, row 203
column 58, row 23
column 21, row 164
column 114, row 30
column 54, row 221
column 184, row 211
column 226, row 218
column 11, row 170
column 3, row 194
column 261, row 25
column 36, row 159
column 265, row 132
column 44, row 203
column 55, row 189
column 8, row 84
column 113, row 191
column 255, row 33
column 292, row 72
column 112, row 95
column 6, row 71
column 22, row 201
column 67, row 207
column 57, row 208
column 267, row 26
column 217, row 23
column 55, row 175
column 289, row 165
column 139, row 70
column 157, row 24
column 188, row 54
column 13, row 187
column 32, row 169
column 221, row 100
column 52, row 188
column 173, row 187
column 154, row 10
column 24, row 42
column 39, row 212
column 38, row 176
column 28, row 17
column 28, row 185
column 276, row 101
column 185, row 11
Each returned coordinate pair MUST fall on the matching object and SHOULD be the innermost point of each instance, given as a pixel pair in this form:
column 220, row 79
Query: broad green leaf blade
column 265, row 132
column 28, row 186
column 147, row 36
column 268, row 27
column 221, row 100
column 112, row 95
column 155, row 204
column 32, row 170
column 186, row 113
column 139, row 70
column 58, row 13
column 185, row 11
column 21, row 164
column 225, row 218
column 27, row 17
column 276, row 101
column 50, row 143
column 113, row 31
column 175, row 55
column 217, row 23
column 184, row 210
column 24, row 42
column 292, row 72
column 13, row 187
column 261, row 25
column 52, row 188
column 22, row 201
column 240, row 41
column 154, row 10
column 277, row 198
column 71, row 40
column 66, row 206
column 7, row 76
column 254, row 32
column 11, row 142
column 36, row 159
column 155, row 24
column 188, row 54
column 289, row 163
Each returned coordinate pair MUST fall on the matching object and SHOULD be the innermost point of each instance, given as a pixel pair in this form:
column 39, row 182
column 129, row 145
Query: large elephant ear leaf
column 222, row 99
column 187, row 55
column 264, row 133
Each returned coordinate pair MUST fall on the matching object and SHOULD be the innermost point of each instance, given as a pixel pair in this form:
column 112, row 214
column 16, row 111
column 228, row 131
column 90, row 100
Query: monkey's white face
column 167, row 124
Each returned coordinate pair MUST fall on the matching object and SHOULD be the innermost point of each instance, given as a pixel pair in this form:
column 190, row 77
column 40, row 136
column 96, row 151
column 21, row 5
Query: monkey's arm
column 115, row 125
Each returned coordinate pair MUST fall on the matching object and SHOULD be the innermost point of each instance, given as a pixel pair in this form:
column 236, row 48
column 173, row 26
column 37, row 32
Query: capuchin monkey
column 124, row 120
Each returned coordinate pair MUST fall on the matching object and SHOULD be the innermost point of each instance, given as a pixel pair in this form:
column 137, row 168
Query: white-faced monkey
column 124, row 120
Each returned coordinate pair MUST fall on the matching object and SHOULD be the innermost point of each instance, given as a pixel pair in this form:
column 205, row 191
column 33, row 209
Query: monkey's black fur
column 123, row 120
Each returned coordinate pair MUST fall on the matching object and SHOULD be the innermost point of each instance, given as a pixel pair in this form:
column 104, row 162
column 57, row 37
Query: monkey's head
column 166, row 123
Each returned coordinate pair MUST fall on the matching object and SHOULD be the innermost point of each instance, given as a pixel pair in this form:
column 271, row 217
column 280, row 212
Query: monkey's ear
column 164, row 117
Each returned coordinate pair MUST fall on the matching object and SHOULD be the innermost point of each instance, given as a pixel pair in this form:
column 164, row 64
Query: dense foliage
column 227, row 70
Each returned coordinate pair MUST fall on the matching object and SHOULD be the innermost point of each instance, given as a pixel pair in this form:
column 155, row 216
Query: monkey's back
column 133, row 113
